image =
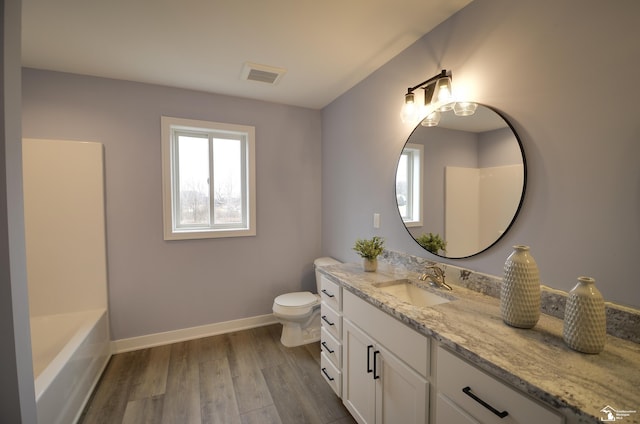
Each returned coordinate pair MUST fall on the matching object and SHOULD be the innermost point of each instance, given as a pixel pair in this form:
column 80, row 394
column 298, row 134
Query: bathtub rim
column 90, row 320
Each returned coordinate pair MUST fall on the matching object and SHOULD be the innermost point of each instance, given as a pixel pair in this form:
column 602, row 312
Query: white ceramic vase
column 585, row 322
column 370, row 265
column 520, row 290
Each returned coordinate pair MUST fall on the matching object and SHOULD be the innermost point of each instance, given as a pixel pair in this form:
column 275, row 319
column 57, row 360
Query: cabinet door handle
column 324, row 344
column 375, row 365
column 369, row 359
column 324, row 318
column 467, row 391
column 324, row 371
column 327, row 293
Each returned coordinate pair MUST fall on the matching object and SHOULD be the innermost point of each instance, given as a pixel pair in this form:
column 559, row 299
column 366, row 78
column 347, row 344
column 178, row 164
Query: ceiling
column 326, row 47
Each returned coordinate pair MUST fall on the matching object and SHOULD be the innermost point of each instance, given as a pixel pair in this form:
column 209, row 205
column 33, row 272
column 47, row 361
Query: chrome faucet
column 435, row 275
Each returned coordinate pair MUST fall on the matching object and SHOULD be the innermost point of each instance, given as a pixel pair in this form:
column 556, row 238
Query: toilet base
column 294, row 334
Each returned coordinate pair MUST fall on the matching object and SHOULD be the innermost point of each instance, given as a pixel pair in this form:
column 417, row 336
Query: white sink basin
column 407, row 292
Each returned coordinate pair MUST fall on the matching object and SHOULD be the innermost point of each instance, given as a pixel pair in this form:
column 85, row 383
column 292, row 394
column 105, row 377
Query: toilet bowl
column 299, row 312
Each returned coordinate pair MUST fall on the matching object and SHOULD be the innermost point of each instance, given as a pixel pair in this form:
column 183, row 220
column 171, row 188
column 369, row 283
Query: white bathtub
column 70, row 352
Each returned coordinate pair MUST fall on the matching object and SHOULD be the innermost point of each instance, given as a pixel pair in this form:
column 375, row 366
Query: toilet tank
column 322, row 262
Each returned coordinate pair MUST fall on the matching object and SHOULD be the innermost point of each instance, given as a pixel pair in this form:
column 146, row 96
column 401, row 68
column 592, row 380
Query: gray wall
column 498, row 148
column 565, row 74
column 157, row 285
column 17, row 397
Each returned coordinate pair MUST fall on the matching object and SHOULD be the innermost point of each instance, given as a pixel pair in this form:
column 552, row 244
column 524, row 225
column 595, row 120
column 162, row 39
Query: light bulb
column 431, row 120
column 444, row 96
column 409, row 113
column 465, row 108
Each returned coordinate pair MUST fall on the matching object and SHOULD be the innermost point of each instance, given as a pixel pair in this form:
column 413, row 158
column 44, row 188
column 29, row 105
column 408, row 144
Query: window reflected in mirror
column 409, row 184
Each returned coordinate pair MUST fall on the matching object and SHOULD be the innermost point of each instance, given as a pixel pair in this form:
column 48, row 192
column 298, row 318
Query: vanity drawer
column 331, row 374
column 408, row 345
column 331, row 293
column 456, row 376
column 331, row 347
column 331, row 321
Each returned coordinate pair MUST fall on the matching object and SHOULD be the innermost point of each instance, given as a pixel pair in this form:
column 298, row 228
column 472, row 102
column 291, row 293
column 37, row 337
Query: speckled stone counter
column 535, row 361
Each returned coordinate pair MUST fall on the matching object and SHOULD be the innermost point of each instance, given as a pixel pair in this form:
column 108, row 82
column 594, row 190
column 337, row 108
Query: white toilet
column 299, row 312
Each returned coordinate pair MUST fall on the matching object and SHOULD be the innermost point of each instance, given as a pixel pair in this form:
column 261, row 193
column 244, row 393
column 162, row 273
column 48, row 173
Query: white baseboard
column 158, row 339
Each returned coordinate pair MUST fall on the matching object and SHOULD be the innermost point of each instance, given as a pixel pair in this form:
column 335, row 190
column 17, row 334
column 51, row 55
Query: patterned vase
column 585, row 322
column 520, row 290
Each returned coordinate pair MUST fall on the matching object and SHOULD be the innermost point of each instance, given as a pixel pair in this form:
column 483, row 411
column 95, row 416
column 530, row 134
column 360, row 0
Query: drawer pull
column 467, row 391
column 324, row 371
column 327, row 293
column 375, row 367
column 369, row 359
column 324, row 318
column 324, row 344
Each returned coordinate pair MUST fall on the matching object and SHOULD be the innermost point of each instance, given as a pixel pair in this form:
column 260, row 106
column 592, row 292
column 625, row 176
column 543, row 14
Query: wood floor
column 247, row 377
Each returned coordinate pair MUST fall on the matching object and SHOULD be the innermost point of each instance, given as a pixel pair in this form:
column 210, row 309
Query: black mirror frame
column 520, row 203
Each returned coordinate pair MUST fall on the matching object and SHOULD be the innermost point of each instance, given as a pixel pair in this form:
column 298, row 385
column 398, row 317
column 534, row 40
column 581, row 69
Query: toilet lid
column 296, row 299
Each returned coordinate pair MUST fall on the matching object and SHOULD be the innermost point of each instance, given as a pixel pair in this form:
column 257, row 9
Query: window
column 409, row 185
column 208, row 178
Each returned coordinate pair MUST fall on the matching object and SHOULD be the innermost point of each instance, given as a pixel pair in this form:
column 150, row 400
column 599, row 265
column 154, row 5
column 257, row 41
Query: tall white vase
column 585, row 323
column 520, row 291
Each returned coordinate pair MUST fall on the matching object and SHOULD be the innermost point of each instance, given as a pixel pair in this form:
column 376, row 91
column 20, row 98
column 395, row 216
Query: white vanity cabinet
column 385, row 366
column 467, row 395
column 331, row 333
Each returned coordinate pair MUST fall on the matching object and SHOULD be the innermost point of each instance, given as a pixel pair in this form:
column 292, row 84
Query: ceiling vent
column 262, row 73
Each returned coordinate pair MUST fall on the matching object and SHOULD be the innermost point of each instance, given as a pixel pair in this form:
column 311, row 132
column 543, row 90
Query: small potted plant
column 369, row 250
column 432, row 242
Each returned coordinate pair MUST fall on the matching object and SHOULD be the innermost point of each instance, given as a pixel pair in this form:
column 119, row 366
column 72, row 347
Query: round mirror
column 460, row 184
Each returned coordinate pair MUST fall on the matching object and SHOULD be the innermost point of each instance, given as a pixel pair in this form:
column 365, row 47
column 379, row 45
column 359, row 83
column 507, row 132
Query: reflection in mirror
column 459, row 185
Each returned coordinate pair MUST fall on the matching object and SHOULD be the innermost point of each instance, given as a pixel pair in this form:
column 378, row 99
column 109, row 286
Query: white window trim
column 171, row 232
column 417, row 184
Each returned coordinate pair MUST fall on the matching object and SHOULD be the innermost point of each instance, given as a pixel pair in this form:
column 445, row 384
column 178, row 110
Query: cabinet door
column 402, row 395
column 358, row 385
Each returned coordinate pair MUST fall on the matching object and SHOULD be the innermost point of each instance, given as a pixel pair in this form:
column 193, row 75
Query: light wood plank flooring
column 246, row 377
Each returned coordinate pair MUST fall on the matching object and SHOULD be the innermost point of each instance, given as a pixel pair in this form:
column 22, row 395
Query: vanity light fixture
column 438, row 97
column 437, row 93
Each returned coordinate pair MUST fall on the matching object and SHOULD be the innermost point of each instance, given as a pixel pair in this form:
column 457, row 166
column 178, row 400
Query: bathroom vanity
column 393, row 358
column 331, row 333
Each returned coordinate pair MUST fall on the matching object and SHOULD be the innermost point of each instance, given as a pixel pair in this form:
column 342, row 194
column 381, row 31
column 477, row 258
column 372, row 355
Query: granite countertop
column 536, row 361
